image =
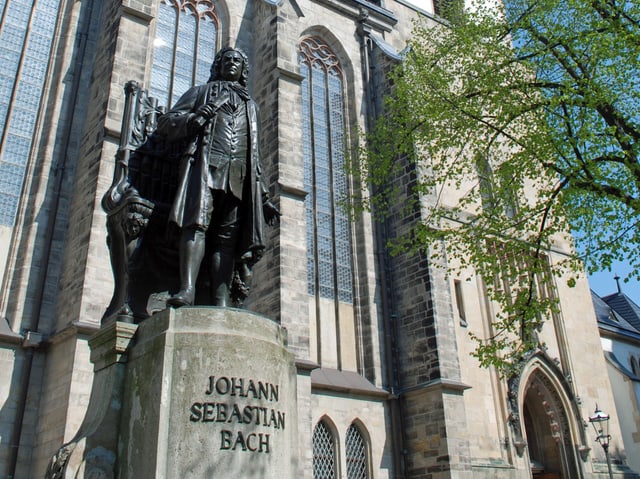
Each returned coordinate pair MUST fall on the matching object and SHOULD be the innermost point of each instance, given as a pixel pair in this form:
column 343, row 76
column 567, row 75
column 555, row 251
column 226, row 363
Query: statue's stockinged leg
column 222, row 264
column 192, row 245
column 225, row 246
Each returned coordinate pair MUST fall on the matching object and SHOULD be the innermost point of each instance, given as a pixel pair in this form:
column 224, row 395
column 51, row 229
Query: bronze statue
column 204, row 153
column 221, row 186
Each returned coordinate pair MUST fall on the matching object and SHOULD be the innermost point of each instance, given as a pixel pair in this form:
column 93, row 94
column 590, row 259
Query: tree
column 523, row 124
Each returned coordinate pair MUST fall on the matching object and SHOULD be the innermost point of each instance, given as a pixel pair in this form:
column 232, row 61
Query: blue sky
column 603, row 283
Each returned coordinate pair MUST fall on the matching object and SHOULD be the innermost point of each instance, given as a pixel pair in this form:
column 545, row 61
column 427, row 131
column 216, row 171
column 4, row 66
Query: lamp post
column 600, row 423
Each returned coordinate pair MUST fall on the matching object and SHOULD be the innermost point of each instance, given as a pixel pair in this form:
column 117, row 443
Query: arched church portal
column 547, row 430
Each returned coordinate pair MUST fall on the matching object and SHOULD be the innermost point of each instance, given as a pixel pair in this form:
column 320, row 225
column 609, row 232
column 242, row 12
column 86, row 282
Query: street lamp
column 600, row 423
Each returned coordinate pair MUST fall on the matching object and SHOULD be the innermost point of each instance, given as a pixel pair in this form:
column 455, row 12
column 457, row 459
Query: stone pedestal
column 209, row 392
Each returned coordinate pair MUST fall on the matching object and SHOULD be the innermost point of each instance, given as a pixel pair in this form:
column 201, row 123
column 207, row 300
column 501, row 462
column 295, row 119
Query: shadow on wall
column 13, row 359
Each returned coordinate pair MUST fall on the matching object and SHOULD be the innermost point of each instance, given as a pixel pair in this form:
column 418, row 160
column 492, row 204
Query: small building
column 619, row 324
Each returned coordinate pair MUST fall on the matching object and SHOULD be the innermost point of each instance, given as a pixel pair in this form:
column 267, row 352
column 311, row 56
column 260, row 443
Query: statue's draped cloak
column 188, row 209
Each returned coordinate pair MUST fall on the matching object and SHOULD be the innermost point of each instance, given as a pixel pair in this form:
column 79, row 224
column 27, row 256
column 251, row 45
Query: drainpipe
column 396, row 404
column 32, row 337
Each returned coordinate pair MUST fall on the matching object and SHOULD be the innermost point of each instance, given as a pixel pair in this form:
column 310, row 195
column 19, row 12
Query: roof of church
column 617, row 312
column 622, row 305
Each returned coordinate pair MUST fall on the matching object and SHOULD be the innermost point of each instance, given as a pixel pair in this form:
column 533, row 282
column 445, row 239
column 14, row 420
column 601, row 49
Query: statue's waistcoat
column 228, row 147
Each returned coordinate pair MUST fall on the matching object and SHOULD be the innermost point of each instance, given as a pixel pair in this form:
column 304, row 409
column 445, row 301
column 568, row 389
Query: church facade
column 387, row 386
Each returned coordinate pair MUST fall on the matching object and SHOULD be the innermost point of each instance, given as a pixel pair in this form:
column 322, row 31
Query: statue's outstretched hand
column 271, row 213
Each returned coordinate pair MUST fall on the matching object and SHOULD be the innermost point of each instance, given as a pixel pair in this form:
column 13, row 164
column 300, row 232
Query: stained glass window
column 329, row 256
column 495, row 196
column 356, row 452
column 183, row 48
column 25, row 49
column 324, row 452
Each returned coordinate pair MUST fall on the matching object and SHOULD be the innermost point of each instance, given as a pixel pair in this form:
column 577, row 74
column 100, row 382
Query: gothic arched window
column 329, row 263
column 184, row 47
column 356, row 451
column 324, row 452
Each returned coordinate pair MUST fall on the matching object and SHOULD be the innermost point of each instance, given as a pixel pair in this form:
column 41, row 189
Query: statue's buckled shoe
column 184, row 297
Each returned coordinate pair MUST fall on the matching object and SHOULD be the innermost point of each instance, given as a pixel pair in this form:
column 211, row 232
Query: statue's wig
column 217, row 65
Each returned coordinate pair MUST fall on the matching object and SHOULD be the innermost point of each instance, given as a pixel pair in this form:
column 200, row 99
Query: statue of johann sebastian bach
column 221, row 198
